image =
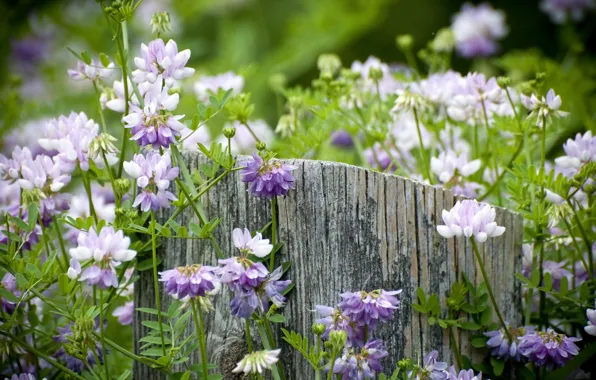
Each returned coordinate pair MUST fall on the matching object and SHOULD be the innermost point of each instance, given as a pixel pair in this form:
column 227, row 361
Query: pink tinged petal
column 133, row 169
column 183, row 73
column 470, row 168
column 133, row 118
column 116, row 105
column 498, row 231
column 468, row 231
column 237, row 237
column 481, row 237
column 171, row 102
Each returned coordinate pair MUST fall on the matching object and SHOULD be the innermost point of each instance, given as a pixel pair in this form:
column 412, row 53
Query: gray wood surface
column 344, row 228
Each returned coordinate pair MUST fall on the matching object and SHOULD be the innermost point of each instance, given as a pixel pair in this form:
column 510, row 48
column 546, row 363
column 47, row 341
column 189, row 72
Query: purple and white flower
column 74, row 363
column 335, row 320
column 449, row 165
column 463, row 374
column 431, row 368
column 9, row 284
column 106, row 251
column 500, row 345
column 364, row 364
column 249, row 245
column 477, row 29
column 470, row 218
column 268, row 178
column 210, row 85
column 562, row 10
column 257, row 361
column 543, row 109
column 386, row 85
column 368, row 308
column 548, row 348
column 579, row 152
column 94, row 71
column 591, row 326
column 153, row 173
column 153, row 124
column 191, row 280
column 162, row 60
column 125, row 313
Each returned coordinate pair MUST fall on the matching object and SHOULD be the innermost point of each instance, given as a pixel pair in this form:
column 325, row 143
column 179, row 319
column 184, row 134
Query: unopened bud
column 285, row 125
column 160, row 23
column 375, row 73
column 229, row 132
column 338, row 339
column 102, row 144
column 261, row 146
column 122, row 186
column 444, row 41
column 318, row 329
column 504, row 82
column 329, row 64
column 404, row 42
column 277, row 82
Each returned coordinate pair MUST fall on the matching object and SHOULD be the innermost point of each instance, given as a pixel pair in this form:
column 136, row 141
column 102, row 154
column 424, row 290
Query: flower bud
column 285, row 125
column 404, row 42
column 404, row 364
column 329, row 64
column 318, row 329
column 261, row 146
column 102, row 144
column 160, row 23
column 83, row 328
column 504, row 82
column 375, row 73
column 444, row 41
column 122, row 186
column 229, row 132
column 277, row 82
column 338, row 339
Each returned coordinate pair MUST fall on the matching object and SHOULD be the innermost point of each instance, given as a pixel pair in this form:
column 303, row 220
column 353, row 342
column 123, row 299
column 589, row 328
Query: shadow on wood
column 344, row 228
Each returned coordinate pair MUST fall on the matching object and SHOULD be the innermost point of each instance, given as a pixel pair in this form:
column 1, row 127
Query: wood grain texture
column 344, row 228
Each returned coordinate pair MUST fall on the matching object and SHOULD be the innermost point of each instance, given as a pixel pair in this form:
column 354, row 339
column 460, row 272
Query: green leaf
column 421, row 296
column 535, row 278
column 194, row 124
column 156, row 351
column 125, row 375
column 564, row 286
column 498, row 366
column 486, row 317
column 277, row 318
column 7, row 295
column 147, row 310
column 548, row 281
column 479, row 341
column 86, row 57
column 470, row 326
column 32, row 215
column 33, row 270
column 442, row 323
column 104, row 60
column 186, row 375
column 155, row 325
column 147, row 264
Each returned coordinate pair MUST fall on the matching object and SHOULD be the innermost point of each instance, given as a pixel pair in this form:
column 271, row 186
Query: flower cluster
column 257, row 361
column 470, row 218
column 73, row 359
column 159, row 60
column 548, row 348
column 93, row 71
column 500, row 345
column 477, row 30
column 361, row 364
column 543, row 108
column 210, row 85
column 268, row 178
column 106, row 250
column 189, row 281
column 153, row 173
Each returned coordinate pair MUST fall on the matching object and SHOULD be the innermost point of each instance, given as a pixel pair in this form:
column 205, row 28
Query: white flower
column 251, row 245
column 207, row 85
column 257, row 361
column 448, row 164
column 543, row 108
column 159, row 59
column 470, row 218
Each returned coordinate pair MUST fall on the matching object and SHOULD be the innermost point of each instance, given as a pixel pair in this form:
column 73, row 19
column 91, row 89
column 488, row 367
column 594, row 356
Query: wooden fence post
column 344, row 228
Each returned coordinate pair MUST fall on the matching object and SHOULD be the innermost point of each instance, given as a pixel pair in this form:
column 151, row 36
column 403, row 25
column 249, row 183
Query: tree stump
column 344, row 228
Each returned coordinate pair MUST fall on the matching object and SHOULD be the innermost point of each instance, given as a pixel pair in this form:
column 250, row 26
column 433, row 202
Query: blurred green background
column 256, row 38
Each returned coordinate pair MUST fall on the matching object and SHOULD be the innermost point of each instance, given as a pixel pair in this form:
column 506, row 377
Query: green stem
column 456, row 349
column 102, row 334
column 422, row 151
column 489, row 288
column 332, row 364
column 197, row 314
column 99, row 109
column 62, row 245
column 273, row 231
column 123, row 50
column 112, row 181
column 583, row 234
column 87, row 186
column 509, row 165
column 251, row 132
column 40, row 354
column 248, row 336
column 156, row 283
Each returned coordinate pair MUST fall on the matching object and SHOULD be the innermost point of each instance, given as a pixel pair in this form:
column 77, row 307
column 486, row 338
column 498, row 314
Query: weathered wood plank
column 344, row 229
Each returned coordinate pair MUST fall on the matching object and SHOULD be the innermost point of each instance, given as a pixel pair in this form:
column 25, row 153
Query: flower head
column 153, row 124
column 251, row 245
column 470, row 218
column 364, row 364
column 562, row 10
column 375, row 76
column 9, row 284
column 268, row 178
column 191, row 280
column 463, row 374
column 477, row 29
column 579, row 152
column 548, row 348
column 125, row 313
column 448, row 165
column 334, row 319
column 66, row 337
column 367, row 308
column 500, row 345
column 257, row 361
column 431, row 368
column 543, row 109
column 22, row 376
column 210, row 85
column 591, row 327
column 159, row 59
column 106, row 249
column 153, row 173
column 93, row 71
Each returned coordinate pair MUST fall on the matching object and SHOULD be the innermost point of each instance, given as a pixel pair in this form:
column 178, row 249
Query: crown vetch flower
column 364, row 364
column 591, row 315
column 548, row 348
column 22, row 376
column 579, row 151
column 561, row 10
column 251, row 245
column 470, row 218
column 73, row 363
column 448, row 164
column 159, row 59
column 500, row 345
column 125, row 313
column 431, row 368
column 257, row 361
column 543, row 108
column 335, row 320
column 152, row 124
column 208, row 85
column 267, row 178
column 191, row 280
column 367, row 308
column 94, row 71
column 8, row 283
column 107, row 250
column 477, row 29
column 463, row 374
column 153, row 173
column 373, row 72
